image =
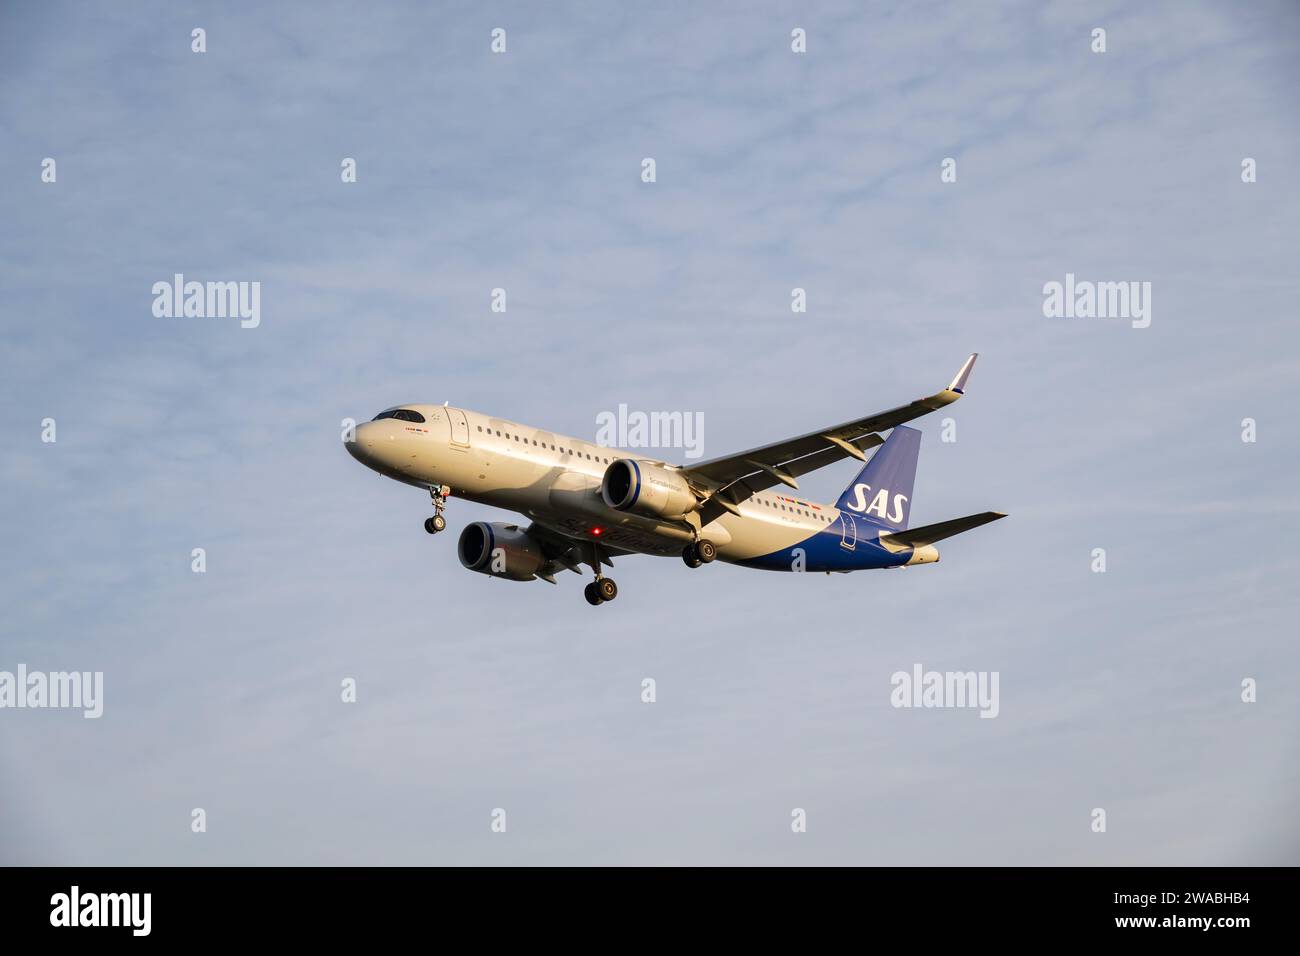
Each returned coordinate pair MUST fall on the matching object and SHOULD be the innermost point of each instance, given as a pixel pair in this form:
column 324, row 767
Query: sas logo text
column 879, row 503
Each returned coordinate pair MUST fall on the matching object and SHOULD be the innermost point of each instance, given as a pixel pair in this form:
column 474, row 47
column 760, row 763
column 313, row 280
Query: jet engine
column 500, row 550
column 645, row 488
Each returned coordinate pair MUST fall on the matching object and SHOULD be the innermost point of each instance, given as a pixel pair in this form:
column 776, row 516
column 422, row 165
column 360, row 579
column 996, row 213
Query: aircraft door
column 459, row 426
column 848, row 531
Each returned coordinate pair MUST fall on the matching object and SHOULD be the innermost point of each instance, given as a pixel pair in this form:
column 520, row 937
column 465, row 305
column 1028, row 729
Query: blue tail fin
column 882, row 492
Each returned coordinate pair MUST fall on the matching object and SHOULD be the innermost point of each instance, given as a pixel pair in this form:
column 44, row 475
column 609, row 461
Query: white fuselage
column 555, row 480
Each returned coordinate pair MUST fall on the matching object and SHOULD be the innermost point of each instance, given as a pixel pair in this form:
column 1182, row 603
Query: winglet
column 959, row 383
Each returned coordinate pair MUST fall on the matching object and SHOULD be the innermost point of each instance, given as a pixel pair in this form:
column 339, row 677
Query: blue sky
column 775, row 170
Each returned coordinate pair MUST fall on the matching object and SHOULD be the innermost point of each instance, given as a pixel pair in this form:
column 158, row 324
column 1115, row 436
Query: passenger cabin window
column 401, row 414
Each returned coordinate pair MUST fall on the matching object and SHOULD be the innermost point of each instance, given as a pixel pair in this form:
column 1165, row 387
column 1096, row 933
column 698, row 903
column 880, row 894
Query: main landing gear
column 437, row 522
column 602, row 589
column 699, row 552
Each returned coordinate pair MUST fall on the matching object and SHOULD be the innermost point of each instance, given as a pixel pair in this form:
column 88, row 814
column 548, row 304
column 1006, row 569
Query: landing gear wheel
column 690, row 557
column 706, row 550
column 439, row 497
column 591, row 593
column 607, row 589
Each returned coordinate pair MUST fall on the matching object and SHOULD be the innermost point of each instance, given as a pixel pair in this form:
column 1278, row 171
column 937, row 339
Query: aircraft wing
column 563, row 551
column 736, row 477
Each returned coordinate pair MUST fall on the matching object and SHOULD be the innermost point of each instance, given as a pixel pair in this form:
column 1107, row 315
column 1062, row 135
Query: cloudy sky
column 775, row 170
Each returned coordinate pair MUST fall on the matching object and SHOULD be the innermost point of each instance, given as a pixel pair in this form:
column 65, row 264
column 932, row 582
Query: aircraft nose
column 363, row 441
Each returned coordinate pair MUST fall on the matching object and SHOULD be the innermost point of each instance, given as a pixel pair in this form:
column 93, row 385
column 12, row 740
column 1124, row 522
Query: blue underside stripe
column 823, row 550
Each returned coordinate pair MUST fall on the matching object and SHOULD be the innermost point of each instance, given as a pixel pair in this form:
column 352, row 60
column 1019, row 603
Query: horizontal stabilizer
column 930, row 533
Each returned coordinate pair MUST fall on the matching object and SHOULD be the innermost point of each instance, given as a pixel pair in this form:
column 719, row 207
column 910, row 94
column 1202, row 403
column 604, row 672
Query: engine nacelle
column 644, row 488
column 500, row 550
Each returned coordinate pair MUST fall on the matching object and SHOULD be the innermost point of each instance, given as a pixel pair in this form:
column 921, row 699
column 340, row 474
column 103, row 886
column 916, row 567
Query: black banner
column 367, row 904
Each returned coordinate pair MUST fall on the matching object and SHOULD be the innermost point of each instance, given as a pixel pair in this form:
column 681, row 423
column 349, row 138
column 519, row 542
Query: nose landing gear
column 437, row 522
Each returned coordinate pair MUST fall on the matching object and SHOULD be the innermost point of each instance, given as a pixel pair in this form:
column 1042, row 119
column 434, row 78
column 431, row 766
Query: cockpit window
column 402, row 414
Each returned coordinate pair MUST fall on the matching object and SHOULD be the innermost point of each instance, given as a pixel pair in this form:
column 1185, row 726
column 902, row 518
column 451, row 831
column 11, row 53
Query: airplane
column 587, row 504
